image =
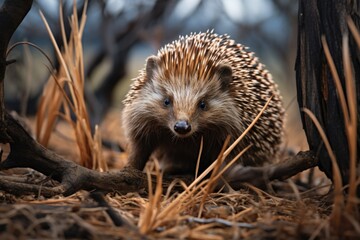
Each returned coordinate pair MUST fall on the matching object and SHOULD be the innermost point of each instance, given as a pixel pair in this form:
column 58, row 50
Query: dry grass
column 241, row 214
column 64, row 91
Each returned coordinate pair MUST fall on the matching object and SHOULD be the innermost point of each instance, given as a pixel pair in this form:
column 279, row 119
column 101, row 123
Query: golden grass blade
column 240, row 214
column 98, row 151
column 57, row 50
column 232, row 162
column 220, row 159
column 199, row 157
column 261, row 193
column 62, row 27
column 349, row 108
column 336, row 78
column 351, row 97
column 48, row 108
column 213, row 180
column 351, row 127
column 146, row 215
column 354, row 30
column 172, row 185
column 182, row 201
column 149, row 215
column 78, row 50
column 83, row 19
column 227, row 152
column 323, row 137
column 45, row 127
column 60, row 84
column 338, row 198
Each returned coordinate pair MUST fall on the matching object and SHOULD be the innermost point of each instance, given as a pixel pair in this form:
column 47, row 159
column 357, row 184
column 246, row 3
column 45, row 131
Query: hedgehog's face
column 189, row 106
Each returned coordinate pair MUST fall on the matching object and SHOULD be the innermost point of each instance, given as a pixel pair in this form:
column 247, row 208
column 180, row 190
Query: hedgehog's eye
column 167, row 102
column 202, row 105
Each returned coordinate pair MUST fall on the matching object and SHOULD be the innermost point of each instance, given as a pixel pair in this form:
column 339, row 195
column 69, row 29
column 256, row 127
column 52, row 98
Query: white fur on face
column 185, row 96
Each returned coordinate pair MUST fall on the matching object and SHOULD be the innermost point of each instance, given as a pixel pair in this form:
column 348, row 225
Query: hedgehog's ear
column 152, row 64
column 225, row 75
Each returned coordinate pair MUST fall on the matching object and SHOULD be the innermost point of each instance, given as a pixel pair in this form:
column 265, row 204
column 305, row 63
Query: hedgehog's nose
column 182, row 127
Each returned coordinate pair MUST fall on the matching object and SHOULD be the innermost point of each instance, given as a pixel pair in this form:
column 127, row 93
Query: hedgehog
column 201, row 86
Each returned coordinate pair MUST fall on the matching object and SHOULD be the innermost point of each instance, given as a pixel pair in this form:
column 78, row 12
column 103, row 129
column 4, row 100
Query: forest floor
column 299, row 208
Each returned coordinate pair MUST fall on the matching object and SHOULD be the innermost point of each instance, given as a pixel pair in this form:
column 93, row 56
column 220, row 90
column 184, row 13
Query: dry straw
column 65, row 90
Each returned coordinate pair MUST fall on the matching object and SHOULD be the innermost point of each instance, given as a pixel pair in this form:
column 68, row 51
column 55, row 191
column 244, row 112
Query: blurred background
column 120, row 34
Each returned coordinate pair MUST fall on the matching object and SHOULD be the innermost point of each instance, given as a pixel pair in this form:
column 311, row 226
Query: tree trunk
column 316, row 89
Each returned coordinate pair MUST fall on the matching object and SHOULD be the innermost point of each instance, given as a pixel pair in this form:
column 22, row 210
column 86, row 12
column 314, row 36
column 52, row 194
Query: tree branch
column 260, row 176
column 12, row 12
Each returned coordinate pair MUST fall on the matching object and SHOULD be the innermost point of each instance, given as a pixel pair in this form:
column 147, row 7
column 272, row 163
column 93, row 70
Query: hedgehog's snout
column 182, row 127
